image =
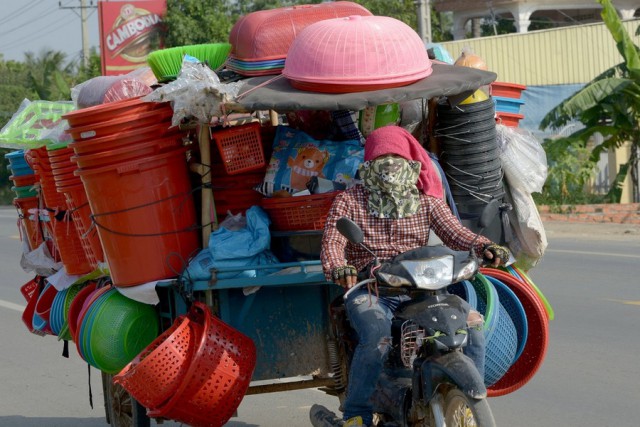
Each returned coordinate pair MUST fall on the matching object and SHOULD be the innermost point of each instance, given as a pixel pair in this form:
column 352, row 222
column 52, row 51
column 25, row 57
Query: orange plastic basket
column 155, row 374
column 217, row 378
column 240, row 148
column 299, row 212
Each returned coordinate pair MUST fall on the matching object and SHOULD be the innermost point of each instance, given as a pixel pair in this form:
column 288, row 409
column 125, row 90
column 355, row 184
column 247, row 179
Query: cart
column 288, row 317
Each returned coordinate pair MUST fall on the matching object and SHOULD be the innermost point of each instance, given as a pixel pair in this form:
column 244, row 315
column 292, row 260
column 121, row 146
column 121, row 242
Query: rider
column 399, row 202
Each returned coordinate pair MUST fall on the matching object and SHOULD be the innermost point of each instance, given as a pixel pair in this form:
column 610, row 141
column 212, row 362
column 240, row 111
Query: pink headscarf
column 396, row 140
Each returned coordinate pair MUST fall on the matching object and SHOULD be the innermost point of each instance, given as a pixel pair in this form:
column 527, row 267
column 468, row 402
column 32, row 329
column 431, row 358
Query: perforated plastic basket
column 240, row 148
column 218, row 376
column 154, row 375
column 298, row 212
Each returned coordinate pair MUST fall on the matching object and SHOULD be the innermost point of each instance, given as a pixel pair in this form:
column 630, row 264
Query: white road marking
column 593, row 253
column 11, row 306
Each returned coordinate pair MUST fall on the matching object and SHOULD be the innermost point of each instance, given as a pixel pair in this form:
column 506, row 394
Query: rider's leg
column 475, row 349
column 371, row 319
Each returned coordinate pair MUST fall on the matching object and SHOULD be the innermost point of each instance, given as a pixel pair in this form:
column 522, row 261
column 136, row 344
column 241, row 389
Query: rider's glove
column 345, row 276
column 498, row 253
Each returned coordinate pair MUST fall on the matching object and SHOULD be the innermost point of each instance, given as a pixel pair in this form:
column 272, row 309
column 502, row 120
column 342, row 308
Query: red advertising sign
column 129, row 30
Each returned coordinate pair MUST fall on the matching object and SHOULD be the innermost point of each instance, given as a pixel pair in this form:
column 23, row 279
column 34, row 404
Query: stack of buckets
column 56, row 216
column 507, row 100
column 26, row 202
column 133, row 169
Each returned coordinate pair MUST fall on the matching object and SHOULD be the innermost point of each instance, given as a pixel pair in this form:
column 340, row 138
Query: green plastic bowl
column 120, row 328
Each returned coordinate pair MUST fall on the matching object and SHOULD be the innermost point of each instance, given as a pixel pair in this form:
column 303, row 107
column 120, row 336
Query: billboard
column 129, row 30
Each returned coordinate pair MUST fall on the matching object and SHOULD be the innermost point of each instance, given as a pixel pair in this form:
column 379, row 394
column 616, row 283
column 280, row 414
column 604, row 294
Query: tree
column 609, row 105
column 192, row 22
column 45, row 75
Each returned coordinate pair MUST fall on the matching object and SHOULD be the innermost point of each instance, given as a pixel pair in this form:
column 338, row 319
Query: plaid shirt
column 388, row 237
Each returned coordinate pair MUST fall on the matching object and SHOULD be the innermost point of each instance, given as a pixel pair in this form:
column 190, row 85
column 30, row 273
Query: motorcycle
column 427, row 380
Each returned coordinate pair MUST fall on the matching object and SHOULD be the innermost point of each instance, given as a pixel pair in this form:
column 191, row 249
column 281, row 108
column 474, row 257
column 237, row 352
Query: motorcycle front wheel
column 461, row 410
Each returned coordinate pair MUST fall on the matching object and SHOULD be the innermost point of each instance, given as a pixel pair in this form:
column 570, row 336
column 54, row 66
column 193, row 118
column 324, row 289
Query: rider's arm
column 332, row 254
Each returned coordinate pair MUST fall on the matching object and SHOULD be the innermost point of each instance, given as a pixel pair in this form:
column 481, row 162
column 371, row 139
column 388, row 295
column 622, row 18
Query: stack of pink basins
column 134, row 174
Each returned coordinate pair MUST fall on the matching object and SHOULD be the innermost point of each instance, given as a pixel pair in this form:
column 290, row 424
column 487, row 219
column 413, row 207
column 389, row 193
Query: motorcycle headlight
column 393, row 280
column 432, row 274
column 468, row 271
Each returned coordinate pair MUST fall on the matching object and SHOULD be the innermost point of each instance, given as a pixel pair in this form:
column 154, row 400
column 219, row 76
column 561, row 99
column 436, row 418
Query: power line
column 28, row 24
column 37, row 36
column 17, row 12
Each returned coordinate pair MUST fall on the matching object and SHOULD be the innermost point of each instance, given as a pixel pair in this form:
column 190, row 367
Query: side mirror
column 489, row 213
column 350, row 230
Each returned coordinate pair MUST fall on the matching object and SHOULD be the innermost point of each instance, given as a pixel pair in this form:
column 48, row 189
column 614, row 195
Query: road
column 590, row 377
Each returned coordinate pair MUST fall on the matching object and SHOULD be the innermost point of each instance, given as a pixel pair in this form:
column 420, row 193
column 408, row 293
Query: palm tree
column 609, row 105
column 46, row 75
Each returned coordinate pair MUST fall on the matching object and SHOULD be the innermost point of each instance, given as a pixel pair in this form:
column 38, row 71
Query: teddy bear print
column 308, row 163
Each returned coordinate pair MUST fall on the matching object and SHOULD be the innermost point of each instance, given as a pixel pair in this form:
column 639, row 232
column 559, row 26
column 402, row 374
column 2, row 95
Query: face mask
column 391, row 181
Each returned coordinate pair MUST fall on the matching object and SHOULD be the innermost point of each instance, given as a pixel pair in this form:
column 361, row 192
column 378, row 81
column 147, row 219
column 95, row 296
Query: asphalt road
column 590, row 377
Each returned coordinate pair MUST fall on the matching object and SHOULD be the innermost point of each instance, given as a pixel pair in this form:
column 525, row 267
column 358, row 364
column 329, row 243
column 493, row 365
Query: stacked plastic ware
column 507, row 97
column 196, row 372
column 26, row 202
column 70, row 186
column 470, row 158
column 62, row 229
column 260, row 40
column 134, row 171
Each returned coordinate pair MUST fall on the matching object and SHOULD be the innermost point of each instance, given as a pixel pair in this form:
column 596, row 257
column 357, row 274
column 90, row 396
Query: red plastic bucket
column 103, row 112
column 32, row 227
column 121, row 123
column 125, row 139
column 145, row 216
column 67, row 241
column 128, row 152
column 81, row 213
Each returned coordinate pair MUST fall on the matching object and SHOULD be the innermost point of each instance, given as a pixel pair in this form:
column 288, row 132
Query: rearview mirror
column 350, row 230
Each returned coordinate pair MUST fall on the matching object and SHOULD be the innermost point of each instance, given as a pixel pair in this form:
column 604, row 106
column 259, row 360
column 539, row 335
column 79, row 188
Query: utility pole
column 424, row 20
column 84, row 16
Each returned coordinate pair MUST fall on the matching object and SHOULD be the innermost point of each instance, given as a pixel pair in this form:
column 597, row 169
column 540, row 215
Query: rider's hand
column 346, row 276
column 495, row 255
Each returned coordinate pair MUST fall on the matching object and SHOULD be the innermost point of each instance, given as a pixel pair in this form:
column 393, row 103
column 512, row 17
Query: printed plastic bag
column 523, row 159
column 297, row 157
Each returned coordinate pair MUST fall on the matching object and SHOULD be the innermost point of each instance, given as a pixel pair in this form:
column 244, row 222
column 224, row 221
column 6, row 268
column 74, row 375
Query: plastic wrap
column 530, row 240
column 523, row 159
column 196, row 92
column 103, row 89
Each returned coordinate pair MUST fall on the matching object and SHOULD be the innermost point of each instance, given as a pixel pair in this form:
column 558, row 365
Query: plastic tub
column 104, row 112
column 121, row 123
column 508, row 90
column 507, row 105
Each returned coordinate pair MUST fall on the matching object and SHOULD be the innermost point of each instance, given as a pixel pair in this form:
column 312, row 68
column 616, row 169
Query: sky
column 36, row 25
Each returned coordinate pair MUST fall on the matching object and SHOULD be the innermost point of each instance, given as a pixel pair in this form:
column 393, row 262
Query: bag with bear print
column 297, row 158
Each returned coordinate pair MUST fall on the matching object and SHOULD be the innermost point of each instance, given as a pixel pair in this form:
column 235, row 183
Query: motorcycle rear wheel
column 462, row 411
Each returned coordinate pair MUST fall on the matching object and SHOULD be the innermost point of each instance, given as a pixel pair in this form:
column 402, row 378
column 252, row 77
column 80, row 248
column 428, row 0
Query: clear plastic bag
column 196, row 92
column 530, row 240
column 523, row 158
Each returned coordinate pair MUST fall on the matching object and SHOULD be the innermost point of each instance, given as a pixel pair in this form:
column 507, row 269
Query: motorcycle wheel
column 462, row 411
column 123, row 409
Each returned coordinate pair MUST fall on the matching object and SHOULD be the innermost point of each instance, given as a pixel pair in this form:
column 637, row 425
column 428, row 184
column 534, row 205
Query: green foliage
column 191, row 22
column 609, row 104
column 570, row 170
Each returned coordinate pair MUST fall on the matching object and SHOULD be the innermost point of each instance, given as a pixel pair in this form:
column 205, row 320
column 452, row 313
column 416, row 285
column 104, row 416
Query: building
column 527, row 15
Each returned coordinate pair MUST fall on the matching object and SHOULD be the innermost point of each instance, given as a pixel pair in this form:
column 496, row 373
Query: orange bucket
column 128, row 152
column 67, row 241
column 125, row 139
column 103, row 112
column 145, row 215
column 81, row 213
column 121, row 123
column 32, row 228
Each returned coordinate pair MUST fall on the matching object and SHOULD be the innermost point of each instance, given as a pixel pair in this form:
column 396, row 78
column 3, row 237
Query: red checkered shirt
column 388, row 237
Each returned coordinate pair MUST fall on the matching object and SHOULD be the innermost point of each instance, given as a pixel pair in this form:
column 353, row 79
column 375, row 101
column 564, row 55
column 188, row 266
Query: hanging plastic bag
column 234, row 245
column 530, row 240
column 523, row 159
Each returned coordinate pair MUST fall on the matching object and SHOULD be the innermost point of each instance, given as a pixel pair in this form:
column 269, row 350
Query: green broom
column 166, row 63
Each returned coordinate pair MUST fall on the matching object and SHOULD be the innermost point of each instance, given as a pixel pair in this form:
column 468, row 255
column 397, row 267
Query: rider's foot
column 322, row 417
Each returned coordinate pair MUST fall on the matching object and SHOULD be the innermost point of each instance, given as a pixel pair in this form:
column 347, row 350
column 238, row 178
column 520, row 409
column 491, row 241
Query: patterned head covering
column 396, row 140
